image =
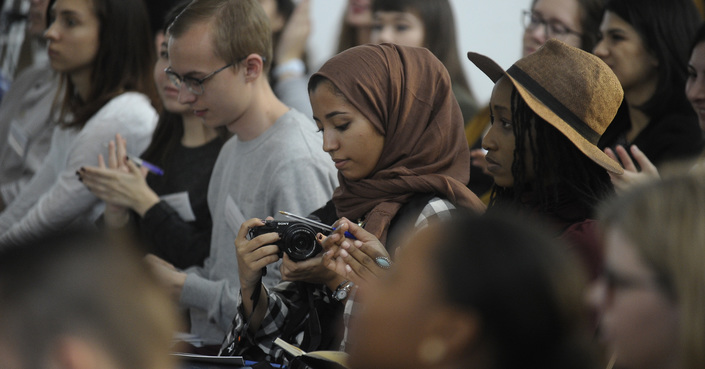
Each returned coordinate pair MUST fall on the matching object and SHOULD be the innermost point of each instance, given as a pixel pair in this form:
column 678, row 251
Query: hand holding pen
column 145, row 164
column 361, row 260
column 314, row 223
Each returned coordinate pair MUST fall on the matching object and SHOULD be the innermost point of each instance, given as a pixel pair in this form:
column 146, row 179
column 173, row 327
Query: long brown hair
column 123, row 63
column 439, row 33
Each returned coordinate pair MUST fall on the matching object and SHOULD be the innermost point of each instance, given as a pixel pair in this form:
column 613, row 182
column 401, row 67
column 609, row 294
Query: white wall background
column 491, row 27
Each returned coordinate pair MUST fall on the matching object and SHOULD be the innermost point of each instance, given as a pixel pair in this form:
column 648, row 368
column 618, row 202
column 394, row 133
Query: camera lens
column 300, row 242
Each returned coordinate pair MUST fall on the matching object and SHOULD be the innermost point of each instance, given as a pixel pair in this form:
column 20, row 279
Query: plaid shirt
column 286, row 297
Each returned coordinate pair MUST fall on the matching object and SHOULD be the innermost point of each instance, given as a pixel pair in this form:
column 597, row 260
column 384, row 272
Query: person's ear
column 77, row 353
column 254, row 65
column 451, row 333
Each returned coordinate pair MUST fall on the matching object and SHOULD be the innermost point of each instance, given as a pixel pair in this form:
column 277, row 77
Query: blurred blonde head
column 665, row 222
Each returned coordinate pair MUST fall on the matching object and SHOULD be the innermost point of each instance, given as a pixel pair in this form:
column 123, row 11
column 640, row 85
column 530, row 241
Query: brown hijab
column 405, row 92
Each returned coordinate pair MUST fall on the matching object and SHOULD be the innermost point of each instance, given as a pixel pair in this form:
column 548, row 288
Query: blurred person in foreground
column 476, row 292
column 651, row 292
column 81, row 301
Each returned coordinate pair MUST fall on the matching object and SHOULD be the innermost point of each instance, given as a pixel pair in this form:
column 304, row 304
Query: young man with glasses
column 219, row 54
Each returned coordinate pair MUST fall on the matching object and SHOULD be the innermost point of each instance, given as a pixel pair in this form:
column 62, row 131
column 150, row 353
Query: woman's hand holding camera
column 354, row 259
column 254, row 254
column 310, row 270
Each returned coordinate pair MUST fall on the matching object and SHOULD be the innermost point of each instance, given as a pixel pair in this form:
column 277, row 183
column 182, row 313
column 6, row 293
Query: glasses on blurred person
column 553, row 29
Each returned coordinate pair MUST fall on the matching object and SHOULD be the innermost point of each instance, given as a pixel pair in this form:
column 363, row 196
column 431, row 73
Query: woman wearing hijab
column 393, row 127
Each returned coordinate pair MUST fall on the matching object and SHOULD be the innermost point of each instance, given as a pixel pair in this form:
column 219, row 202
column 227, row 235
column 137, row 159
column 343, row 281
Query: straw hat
column 571, row 89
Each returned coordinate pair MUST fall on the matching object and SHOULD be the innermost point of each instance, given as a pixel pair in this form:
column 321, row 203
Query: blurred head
column 646, row 43
column 278, row 12
column 355, row 25
column 421, row 23
column 37, row 17
column 168, row 92
column 574, row 22
column 170, row 126
column 651, row 294
column 82, row 301
column 105, row 42
column 695, row 84
column 491, row 291
column 398, row 27
column 202, row 45
column 358, row 13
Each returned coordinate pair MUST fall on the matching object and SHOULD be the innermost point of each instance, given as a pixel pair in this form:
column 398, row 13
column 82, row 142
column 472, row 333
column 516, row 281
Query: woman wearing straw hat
column 548, row 113
column 575, row 22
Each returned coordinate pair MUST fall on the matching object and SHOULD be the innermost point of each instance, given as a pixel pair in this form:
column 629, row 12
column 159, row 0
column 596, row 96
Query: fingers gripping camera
column 296, row 239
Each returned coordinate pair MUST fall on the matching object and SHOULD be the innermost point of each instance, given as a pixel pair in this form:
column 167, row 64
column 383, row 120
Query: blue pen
column 143, row 163
column 314, row 223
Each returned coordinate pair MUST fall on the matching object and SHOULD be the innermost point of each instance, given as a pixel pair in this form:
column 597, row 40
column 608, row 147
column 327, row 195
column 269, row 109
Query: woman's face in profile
column 500, row 141
column 695, row 84
column 73, row 36
column 168, row 92
column 638, row 321
column 623, row 50
column 352, row 141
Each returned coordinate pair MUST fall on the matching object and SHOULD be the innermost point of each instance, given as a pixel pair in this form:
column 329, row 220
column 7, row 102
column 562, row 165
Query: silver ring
column 383, row 262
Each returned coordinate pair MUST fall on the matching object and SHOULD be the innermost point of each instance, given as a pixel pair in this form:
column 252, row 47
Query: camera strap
column 230, row 344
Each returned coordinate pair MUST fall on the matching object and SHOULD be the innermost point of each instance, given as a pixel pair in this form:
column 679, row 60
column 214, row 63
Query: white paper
column 181, row 204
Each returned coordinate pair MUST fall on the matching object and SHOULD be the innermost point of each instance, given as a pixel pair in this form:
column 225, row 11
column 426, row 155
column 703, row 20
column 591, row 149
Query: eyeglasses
column 195, row 85
column 553, row 29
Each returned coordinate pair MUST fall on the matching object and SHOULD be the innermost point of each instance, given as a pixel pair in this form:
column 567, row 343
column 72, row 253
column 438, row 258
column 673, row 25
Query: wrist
column 289, row 69
column 145, row 202
column 342, row 292
column 335, row 282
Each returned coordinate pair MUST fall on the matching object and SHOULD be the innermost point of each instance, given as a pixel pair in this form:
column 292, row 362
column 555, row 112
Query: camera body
column 296, row 239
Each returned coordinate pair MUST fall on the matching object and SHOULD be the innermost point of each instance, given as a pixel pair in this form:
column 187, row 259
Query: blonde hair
column 665, row 220
column 240, row 28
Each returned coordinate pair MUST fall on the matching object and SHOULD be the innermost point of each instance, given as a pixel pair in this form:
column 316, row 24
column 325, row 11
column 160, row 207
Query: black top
column 673, row 136
column 168, row 235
